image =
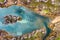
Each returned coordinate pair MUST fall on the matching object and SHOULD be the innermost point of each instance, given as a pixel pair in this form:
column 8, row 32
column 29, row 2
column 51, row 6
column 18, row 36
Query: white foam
column 1, row 24
column 23, row 21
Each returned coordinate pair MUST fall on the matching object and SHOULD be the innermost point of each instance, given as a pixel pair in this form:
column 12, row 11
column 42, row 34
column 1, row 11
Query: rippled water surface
column 30, row 20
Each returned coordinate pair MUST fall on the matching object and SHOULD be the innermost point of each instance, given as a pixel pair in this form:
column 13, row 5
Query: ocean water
column 30, row 21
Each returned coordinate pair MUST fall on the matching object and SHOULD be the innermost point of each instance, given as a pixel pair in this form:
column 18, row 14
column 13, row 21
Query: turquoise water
column 30, row 21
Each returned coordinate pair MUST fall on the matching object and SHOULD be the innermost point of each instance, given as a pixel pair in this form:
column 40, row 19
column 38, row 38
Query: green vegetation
column 32, row 38
column 58, row 38
column 50, row 8
column 1, row 0
column 34, row 4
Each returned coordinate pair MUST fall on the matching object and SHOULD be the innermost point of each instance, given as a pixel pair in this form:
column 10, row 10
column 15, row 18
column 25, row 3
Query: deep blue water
column 30, row 21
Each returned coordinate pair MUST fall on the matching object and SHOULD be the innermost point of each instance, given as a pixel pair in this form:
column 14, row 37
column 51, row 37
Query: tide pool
column 30, row 21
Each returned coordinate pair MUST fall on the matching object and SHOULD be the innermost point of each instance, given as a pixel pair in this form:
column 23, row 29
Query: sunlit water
column 30, row 21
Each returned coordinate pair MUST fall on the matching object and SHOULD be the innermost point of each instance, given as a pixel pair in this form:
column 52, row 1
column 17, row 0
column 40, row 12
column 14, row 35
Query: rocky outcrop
column 37, row 33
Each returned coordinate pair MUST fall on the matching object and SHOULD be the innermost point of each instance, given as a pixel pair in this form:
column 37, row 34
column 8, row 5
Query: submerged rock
column 11, row 19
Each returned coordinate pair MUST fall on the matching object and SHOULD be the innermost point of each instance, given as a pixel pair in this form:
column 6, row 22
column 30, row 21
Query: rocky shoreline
column 37, row 34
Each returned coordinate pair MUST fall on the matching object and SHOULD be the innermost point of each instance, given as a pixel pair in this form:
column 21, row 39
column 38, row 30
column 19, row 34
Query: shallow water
column 30, row 21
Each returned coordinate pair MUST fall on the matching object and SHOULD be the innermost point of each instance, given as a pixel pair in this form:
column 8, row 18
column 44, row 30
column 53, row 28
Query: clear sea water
column 30, row 21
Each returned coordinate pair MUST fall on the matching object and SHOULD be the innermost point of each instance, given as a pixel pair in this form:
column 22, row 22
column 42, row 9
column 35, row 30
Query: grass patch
column 1, row 0
column 58, row 38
